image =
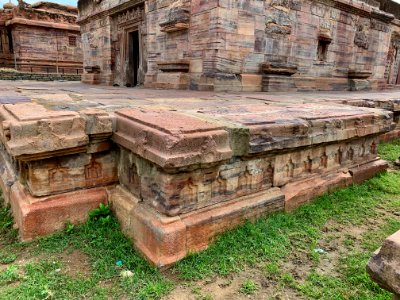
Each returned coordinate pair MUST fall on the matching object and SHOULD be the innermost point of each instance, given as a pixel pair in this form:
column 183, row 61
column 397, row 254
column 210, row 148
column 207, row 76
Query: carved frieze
column 292, row 4
column 379, row 25
column 131, row 16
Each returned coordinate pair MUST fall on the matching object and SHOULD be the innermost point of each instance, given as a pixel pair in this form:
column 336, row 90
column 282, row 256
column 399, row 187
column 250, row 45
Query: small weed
column 69, row 228
column 272, row 270
column 9, row 275
column 7, row 258
column 103, row 212
column 248, row 287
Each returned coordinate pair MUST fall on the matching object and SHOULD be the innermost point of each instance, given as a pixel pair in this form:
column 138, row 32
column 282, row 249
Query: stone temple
column 178, row 166
column 246, row 45
column 40, row 38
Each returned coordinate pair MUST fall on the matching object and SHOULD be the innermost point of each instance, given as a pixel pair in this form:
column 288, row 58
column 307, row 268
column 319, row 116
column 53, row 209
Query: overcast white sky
column 70, row 2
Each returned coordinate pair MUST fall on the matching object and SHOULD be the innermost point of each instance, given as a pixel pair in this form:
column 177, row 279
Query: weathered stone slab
column 29, row 128
column 171, row 139
column 384, row 265
column 69, row 173
column 304, row 190
column 45, row 215
column 164, row 240
column 272, row 127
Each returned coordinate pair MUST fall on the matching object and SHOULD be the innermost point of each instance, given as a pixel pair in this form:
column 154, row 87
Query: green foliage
column 248, row 287
column 9, row 275
column 7, row 258
column 103, row 213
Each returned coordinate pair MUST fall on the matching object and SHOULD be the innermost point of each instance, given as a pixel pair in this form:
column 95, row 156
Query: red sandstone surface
column 180, row 167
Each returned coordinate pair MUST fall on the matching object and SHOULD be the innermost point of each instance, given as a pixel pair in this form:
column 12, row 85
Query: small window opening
column 323, row 46
column 72, row 41
column 1, row 41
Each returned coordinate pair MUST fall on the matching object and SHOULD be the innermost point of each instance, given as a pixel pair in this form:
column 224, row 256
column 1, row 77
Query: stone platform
column 179, row 167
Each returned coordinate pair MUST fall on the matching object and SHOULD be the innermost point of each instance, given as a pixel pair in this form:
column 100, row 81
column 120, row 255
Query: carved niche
column 278, row 22
column 361, row 38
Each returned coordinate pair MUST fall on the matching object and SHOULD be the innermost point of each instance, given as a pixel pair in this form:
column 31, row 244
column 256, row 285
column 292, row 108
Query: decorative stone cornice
column 110, row 12
column 359, row 8
column 23, row 21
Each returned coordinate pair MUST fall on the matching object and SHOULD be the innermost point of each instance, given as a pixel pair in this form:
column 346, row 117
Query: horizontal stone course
column 10, row 75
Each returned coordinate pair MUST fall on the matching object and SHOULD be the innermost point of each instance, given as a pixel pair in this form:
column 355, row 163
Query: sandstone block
column 29, row 128
column 384, row 265
column 302, row 191
column 165, row 240
column 70, row 172
column 171, row 139
column 368, row 170
column 45, row 215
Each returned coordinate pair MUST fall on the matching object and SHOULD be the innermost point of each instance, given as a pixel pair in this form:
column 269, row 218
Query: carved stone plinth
column 41, row 216
column 165, row 240
column 179, row 175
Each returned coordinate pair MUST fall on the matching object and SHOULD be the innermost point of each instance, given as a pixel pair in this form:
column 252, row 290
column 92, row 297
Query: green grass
column 104, row 244
column 36, row 271
column 390, row 151
column 248, row 287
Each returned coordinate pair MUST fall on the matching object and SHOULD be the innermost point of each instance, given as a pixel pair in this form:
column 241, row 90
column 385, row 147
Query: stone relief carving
column 278, row 22
column 58, row 175
column 132, row 15
column 93, row 170
column 361, row 38
column 378, row 25
column 292, row 4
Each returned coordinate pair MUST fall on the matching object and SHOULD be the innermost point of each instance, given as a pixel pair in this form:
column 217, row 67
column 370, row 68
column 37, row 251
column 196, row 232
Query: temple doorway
column 133, row 59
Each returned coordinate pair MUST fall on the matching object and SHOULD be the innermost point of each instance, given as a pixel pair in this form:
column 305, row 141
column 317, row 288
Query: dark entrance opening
column 133, row 58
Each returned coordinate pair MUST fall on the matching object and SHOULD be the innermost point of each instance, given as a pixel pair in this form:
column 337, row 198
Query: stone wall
column 239, row 45
column 12, row 75
column 44, row 49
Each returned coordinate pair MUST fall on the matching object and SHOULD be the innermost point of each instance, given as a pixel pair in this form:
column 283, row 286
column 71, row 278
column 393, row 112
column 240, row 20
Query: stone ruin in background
column 250, row 45
column 40, row 38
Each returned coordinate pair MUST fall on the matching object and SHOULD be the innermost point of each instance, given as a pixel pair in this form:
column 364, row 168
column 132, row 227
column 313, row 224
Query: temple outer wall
column 241, row 45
